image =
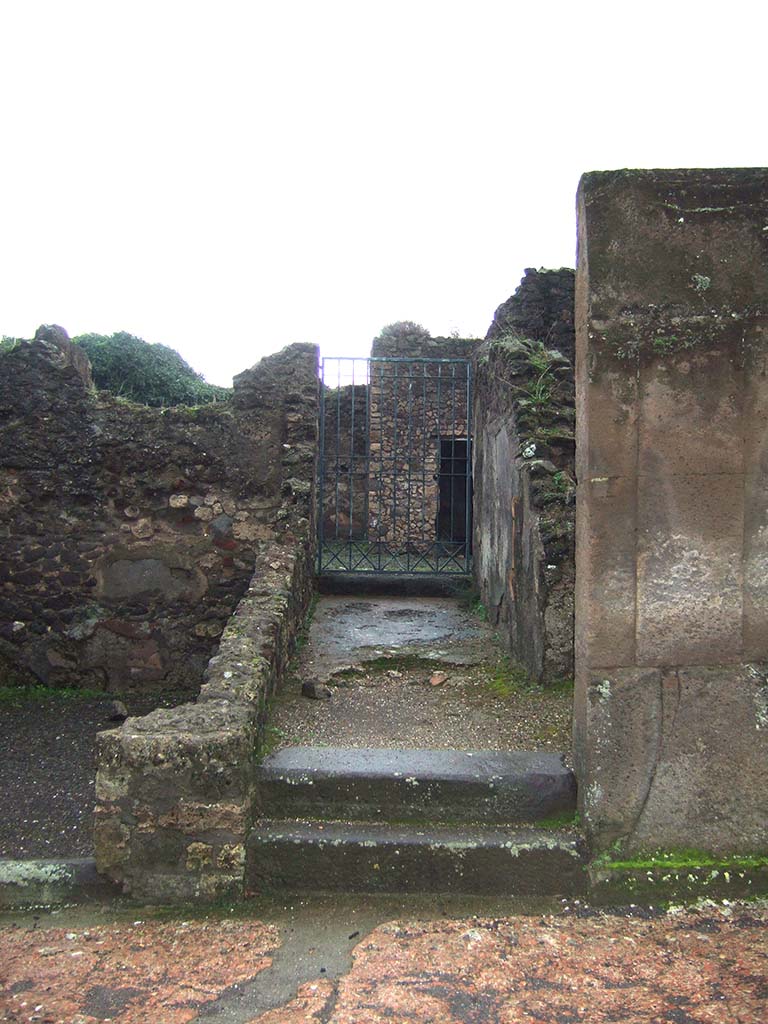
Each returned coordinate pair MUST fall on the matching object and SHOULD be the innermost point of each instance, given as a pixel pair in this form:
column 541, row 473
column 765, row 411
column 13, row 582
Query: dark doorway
column 454, row 520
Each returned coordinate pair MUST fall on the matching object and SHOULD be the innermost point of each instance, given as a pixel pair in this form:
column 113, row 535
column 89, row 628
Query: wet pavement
column 384, row 961
column 353, row 630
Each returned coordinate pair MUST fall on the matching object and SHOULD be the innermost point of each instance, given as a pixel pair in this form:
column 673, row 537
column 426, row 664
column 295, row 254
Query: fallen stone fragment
column 118, row 712
column 315, row 690
column 341, row 670
column 438, row 678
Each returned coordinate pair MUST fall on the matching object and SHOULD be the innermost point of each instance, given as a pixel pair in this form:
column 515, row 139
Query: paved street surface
column 347, row 963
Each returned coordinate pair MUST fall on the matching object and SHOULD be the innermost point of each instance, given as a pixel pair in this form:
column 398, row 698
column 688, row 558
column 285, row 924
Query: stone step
column 343, row 857
column 372, row 784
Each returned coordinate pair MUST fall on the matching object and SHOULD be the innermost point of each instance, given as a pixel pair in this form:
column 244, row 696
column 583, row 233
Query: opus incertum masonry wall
column 671, row 715
column 413, row 408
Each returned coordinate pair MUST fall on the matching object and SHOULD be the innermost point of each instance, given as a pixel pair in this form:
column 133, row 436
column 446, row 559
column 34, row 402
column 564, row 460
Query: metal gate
column 395, row 469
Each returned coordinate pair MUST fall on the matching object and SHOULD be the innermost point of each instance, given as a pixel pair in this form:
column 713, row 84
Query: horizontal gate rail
column 395, row 467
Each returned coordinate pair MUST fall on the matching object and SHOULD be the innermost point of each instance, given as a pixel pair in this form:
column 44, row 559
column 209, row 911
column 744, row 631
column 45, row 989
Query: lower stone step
column 338, row 856
column 372, row 784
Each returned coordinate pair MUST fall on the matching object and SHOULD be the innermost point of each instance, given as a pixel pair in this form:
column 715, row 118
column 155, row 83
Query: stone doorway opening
column 454, row 517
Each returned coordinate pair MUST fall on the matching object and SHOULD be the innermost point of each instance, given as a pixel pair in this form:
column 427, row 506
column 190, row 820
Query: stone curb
column 38, row 883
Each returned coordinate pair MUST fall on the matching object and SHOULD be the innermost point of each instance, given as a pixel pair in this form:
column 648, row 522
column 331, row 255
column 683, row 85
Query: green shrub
column 403, row 330
column 8, row 344
column 156, row 375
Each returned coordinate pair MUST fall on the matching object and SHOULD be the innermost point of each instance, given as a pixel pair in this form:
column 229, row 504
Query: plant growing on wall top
column 8, row 344
column 155, row 375
column 403, row 330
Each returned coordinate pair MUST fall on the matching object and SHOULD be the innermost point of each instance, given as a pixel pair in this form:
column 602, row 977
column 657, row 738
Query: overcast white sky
column 231, row 176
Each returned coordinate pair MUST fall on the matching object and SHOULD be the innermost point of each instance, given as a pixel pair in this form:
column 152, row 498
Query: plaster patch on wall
column 593, row 795
column 761, row 708
column 603, row 689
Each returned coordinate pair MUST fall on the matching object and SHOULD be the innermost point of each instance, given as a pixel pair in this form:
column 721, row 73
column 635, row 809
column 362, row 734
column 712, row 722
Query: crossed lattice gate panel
column 395, row 476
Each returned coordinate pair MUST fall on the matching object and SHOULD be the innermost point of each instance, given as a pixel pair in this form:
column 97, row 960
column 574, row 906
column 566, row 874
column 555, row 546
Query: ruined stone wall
column 671, row 709
column 412, row 406
column 128, row 534
column 523, row 471
column 541, row 308
column 174, row 788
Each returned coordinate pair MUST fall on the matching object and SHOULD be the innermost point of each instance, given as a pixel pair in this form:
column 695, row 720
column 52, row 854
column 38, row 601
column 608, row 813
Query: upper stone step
column 373, row 784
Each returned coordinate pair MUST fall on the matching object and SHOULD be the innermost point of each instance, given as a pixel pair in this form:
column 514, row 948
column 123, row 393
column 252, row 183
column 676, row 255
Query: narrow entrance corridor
column 418, row 672
column 408, row 756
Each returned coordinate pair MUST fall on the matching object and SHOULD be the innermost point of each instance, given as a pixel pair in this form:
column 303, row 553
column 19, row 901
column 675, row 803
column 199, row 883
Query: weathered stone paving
column 705, row 966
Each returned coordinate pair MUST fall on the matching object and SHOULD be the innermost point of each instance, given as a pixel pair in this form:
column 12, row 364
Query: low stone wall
column 524, row 475
column 131, row 540
column 175, row 788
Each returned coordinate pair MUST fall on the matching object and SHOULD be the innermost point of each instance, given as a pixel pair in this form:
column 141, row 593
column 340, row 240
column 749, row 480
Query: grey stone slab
column 606, row 566
column 689, row 569
column 36, row 883
column 709, row 784
column 353, row 629
column 677, row 759
column 619, row 711
column 371, row 784
column 301, row 856
column 756, row 497
column 691, row 420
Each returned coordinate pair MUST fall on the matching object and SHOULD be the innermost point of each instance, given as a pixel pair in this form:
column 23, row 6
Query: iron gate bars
column 395, row 468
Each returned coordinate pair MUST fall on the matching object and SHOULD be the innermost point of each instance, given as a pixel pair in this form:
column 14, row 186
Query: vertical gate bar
column 394, row 454
column 468, row 484
column 351, row 466
column 423, row 534
column 336, row 472
column 409, row 408
column 367, row 458
column 321, row 470
column 381, row 467
column 452, row 538
column 438, row 461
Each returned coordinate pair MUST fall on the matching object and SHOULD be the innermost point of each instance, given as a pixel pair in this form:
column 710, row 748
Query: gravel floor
column 400, row 707
column 47, row 774
column 415, row 672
